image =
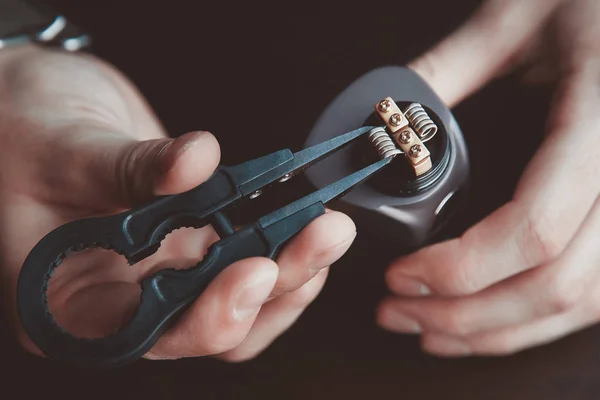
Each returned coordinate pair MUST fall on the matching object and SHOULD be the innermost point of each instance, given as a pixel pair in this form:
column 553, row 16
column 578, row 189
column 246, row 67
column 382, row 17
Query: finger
column 551, row 289
column 531, row 229
column 513, row 339
column 222, row 316
column 157, row 167
column 318, row 246
column 482, row 48
column 275, row 318
column 103, row 168
column 185, row 163
column 509, row 241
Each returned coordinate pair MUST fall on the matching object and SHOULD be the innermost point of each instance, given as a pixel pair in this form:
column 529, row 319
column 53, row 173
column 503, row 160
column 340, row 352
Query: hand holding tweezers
column 136, row 234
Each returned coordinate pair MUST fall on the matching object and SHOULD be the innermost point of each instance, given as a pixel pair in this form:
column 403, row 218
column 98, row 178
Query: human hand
column 77, row 140
column 527, row 274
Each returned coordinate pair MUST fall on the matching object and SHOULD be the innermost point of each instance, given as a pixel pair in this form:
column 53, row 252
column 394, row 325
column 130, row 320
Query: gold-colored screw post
column 385, row 105
column 405, row 137
column 398, row 127
column 396, row 119
column 415, row 151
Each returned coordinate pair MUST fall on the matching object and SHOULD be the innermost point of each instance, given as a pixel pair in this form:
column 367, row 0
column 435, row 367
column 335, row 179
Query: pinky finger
column 510, row 340
column 275, row 318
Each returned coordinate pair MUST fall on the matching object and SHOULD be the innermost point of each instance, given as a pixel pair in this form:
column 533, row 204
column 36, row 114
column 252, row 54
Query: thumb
column 484, row 47
column 165, row 166
column 114, row 170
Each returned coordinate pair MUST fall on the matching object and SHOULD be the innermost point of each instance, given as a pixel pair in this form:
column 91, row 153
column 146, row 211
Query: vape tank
column 415, row 196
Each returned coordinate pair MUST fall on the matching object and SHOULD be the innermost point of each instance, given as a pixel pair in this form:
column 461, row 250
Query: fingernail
column 254, row 295
column 174, row 148
column 319, row 263
column 191, row 139
column 399, row 322
column 447, row 345
column 408, row 286
column 168, row 154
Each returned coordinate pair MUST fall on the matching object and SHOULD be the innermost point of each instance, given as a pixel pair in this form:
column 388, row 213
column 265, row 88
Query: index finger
column 483, row 47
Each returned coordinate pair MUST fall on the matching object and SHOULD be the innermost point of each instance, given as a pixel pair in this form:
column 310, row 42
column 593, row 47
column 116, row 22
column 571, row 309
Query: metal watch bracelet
column 24, row 22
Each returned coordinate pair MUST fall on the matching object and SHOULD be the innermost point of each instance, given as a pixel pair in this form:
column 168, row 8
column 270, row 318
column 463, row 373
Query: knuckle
column 540, row 242
column 456, row 321
column 459, row 281
column 307, row 293
column 459, row 273
column 562, row 295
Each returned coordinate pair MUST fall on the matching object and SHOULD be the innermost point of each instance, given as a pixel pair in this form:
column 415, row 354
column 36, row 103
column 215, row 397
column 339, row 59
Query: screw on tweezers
column 255, row 194
column 383, row 143
column 285, row 178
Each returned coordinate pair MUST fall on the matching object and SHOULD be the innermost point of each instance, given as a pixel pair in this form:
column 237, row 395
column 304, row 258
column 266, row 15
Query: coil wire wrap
column 420, row 121
column 383, row 143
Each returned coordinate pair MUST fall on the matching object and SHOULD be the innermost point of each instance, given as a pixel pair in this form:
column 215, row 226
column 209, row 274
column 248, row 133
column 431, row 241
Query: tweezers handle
column 142, row 229
column 165, row 295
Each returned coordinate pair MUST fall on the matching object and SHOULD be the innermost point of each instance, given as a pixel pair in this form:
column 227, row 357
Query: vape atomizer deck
column 415, row 195
column 401, row 127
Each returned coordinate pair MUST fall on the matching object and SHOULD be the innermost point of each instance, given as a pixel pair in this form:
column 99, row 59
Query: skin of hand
column 527, row 274
column 79, row 140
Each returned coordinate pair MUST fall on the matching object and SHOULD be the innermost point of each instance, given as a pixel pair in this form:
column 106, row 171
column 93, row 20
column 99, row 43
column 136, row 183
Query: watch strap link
column 22, row 22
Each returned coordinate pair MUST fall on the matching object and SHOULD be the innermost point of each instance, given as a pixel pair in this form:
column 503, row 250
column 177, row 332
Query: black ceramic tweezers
column 136, row 234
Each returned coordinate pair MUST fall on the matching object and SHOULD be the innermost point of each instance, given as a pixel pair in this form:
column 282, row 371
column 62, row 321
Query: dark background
column 282, row 63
